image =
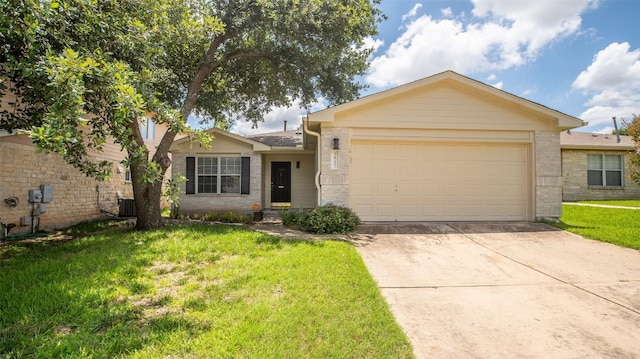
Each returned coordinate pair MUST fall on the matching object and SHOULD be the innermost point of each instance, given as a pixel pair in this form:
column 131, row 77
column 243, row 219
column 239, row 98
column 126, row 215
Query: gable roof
column 595, row 141
column 257, row 146
column 564, row 121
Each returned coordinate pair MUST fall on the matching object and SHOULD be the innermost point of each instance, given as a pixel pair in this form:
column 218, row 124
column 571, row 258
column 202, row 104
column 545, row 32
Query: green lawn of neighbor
column 613, row 225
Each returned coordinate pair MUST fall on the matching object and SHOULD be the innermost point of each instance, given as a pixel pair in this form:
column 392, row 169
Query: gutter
column 318, row 159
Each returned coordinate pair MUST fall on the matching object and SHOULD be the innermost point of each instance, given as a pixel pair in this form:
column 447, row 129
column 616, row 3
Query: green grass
column 613, row 225
column 192, row 291
column 623, row 203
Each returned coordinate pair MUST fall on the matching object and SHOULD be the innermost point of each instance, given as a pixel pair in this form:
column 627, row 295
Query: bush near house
column 225, row 217
column 328, row 219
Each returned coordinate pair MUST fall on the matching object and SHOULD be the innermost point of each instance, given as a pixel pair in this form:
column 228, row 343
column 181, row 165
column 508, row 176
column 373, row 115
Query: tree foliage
column 84, row 72
column 633, row 130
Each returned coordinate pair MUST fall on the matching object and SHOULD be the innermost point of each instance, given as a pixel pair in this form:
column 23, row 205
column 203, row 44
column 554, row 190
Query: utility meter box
column 35, row 196
column 47, row 193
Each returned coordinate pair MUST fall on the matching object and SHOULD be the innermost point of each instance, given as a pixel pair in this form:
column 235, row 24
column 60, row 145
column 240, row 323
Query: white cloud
column 274, row 120
column 613, row 83
column 447, row 12
column 371, row 43
column 498, row 85
column 492, row 77
column 500, row 35
column 412, row 13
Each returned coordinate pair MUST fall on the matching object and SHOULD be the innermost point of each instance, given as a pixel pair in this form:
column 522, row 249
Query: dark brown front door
column 280, row 181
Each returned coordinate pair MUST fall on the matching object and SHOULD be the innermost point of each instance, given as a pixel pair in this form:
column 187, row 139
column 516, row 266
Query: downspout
column 318, row 155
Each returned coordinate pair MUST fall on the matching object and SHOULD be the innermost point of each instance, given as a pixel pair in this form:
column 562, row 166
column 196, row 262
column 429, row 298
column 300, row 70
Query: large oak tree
column 86, row 71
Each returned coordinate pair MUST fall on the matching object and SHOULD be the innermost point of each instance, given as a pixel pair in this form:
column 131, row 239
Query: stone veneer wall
column 335, row 182
column 548, row 175
column 224, row 202
column 574, row 179
column 75, row 198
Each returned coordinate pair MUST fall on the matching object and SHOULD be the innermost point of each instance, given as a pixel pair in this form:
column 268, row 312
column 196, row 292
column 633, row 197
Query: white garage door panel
column 409, row 181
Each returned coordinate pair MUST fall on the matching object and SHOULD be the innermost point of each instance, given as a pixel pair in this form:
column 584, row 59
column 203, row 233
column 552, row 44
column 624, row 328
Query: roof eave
column 597, row 147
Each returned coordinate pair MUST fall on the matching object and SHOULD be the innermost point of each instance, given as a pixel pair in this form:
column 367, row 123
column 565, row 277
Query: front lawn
column 192, row 291
column 613, row 225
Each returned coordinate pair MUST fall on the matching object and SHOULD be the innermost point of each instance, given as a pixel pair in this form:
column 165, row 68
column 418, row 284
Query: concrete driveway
column 506, row 290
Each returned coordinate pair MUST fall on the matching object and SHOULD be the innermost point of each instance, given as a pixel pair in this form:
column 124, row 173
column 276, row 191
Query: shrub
column 227, row 217
column 329, row 219
column 295, row 219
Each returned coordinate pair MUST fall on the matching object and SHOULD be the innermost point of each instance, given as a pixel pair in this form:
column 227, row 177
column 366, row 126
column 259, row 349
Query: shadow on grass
column 64, row 297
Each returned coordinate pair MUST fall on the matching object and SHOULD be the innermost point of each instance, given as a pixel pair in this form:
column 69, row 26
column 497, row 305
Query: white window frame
column 603, row 169
column 127, row 175
column 223, row 169
column 147, row 129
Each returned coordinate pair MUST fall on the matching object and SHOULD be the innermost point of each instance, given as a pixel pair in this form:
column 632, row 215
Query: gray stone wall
column 335, row 182
column 574, row 179
column 224, row 202
column 548, row 169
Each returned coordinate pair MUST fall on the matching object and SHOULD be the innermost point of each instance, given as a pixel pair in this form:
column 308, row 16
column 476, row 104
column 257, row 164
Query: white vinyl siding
column 218, row 174
column 604, row 170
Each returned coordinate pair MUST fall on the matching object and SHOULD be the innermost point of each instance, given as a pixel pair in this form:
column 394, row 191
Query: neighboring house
column 594, row 167
column 443, row 148
column 74, row 197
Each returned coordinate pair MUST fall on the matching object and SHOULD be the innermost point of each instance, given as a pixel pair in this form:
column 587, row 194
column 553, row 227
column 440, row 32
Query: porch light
column 336, row 143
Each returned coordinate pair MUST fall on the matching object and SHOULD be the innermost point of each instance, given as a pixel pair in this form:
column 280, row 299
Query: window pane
column 207, row 165
column 594, row 178
column 613, row 162
column 594, row 162
column 230, row 165
column 230, row 184
column 207, row 184
column 614, row 178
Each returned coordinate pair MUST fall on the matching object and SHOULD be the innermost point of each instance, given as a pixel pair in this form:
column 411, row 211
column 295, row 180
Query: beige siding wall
column 303, row 191
column 548, row 175
column 443, row 107
column 574, row 179
column 74, row 195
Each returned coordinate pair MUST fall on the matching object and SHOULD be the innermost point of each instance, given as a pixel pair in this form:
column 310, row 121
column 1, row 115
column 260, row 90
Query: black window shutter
column 191, row 175
column 245, row 176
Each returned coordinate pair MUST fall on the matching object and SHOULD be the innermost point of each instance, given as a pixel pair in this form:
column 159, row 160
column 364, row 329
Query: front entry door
column 281, row 182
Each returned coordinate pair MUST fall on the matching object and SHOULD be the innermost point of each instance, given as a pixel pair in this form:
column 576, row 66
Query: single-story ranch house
column 443, row 148
column 594, row 167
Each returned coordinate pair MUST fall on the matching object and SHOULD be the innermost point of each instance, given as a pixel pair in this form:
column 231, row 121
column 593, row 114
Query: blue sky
column 581, row 57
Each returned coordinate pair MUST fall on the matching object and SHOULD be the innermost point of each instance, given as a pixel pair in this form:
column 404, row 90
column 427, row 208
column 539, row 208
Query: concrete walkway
column 506, row 290
column 598, row 205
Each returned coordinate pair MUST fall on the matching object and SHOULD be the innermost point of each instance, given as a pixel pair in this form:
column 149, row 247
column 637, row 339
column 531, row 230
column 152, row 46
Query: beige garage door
column 416, row 181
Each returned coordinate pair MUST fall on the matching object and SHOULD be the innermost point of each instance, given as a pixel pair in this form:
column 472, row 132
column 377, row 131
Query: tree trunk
column 147, row 198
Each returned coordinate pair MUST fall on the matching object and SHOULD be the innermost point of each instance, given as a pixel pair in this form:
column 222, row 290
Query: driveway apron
column 498, row 290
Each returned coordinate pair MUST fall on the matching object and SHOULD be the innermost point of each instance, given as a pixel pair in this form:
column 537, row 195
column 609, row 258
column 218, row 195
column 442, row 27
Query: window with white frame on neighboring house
column 604, row 170
column 127, row 175
column 147, row 129
column 219, row 174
